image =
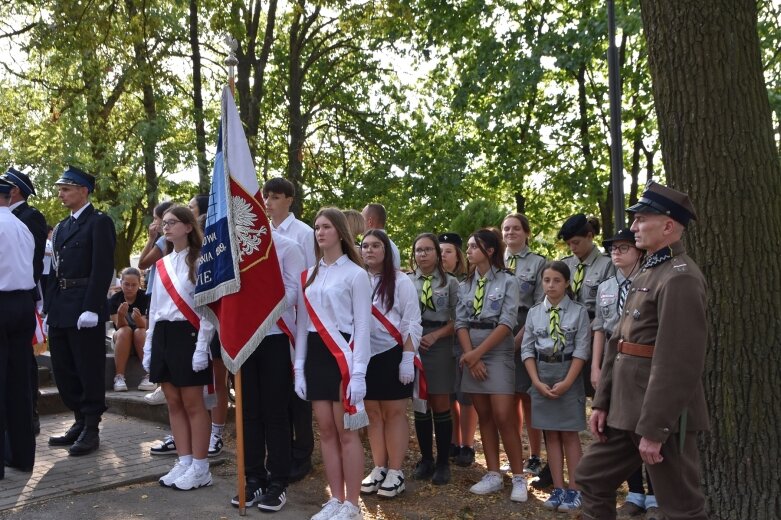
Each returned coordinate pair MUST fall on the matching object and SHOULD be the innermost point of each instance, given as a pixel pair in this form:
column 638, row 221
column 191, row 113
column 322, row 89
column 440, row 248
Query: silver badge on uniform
column 440, row 302
column 636, row 314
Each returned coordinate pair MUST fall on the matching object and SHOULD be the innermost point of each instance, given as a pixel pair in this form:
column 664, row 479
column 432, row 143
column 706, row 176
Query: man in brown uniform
column 650, row 401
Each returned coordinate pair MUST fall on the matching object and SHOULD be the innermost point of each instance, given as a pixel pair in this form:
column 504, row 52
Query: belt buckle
column 62, row 283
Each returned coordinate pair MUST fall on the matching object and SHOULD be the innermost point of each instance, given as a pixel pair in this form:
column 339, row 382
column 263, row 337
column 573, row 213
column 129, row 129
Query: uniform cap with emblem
column 623, row 235
column 451, row 238
column 662, row 200
column 572, row 226
column 19, row 180
column 73, row 176
column 5, row 186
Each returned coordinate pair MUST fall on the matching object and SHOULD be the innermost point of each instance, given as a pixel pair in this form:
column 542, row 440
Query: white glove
column 407, row 367
column 87, row 320
column 300, row 383
column 45, row 326
column 356, row 388
column 147, row 361
column 200, row 360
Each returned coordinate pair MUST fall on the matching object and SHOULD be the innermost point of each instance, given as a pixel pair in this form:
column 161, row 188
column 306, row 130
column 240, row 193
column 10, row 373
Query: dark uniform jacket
column 665, row 308
column 83, row 249
column 36, row 223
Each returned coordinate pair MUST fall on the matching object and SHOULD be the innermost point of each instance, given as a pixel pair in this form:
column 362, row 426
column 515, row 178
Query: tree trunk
column 717, row 143
column 204, row 177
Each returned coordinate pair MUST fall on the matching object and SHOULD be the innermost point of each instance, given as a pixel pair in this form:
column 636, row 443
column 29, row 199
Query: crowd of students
column 499, row 337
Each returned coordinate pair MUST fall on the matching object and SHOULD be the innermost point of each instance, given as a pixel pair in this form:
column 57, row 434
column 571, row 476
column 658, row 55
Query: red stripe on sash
column 282, row 325
column 335, row 350
column 182, row 305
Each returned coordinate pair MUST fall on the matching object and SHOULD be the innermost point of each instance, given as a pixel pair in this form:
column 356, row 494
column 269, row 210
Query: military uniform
column 651, row 382
column 83, row 265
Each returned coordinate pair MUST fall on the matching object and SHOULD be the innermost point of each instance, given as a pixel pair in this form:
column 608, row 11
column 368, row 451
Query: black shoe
column 441, row 475
column 533, row 466
column 69, row 437
column 544, row 480
column 424, row 470
column 253, row 490
column 36, row 423
column 88, row 441
column 466, row 457
column 273, row 499
column 300, row 469
column 455, row 451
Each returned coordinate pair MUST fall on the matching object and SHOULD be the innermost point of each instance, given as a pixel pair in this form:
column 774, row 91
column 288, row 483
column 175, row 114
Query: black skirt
column 323, row 378
column 382, row 377
column 173, row 345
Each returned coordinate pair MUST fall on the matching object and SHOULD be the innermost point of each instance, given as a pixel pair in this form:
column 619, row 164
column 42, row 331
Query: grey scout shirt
column 445, row 296
column 608, row 314
column 528, row 271
column 574, row 326
column 598, row 269
column 500, row 300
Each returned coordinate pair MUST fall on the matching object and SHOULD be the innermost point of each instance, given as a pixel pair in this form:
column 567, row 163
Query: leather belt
column 69, row 283
column 482, row 325
column 557, row 358
column 635, row 349
column 429, row 323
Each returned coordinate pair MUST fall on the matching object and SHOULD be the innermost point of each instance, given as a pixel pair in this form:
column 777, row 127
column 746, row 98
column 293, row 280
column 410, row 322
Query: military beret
column 73, row 176
column 451, row 238
column 19, row 180
column 625, row 235
column 572, row 226
column 662, row 200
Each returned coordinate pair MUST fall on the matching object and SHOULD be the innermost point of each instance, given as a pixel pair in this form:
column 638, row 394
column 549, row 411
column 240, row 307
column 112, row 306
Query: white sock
column 201, row 465
column 217, row 430
column 186, row 460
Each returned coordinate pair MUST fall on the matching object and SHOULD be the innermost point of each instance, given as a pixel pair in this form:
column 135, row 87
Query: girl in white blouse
column 332, row 355
column 176, row 350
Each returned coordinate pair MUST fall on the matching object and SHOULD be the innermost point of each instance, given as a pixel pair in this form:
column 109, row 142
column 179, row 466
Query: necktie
column 622, row 293
column 580, row 273
column 426, row 296
column 554, row 329
column 512, row 262
column 479, row 293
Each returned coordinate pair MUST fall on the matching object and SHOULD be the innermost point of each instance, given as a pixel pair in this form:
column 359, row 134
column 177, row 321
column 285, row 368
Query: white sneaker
column 349, row 511
column 192, row 479
column 520, row 492
column 119, row 383
column 177, row 471
column 329, row 510
column 215, row 445
column 490, row 483
column 372, row 482
column 146, row 385
column 393, row 485
column 156, row 397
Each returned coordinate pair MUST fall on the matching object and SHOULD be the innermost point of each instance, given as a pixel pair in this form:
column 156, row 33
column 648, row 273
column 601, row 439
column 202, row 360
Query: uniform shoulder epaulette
column 507, row 271
column 565, row 258
column 537, row 304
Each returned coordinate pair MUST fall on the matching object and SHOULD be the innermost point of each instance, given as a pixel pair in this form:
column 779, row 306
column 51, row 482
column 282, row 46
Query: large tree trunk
column 717, row 143
column 204, row 179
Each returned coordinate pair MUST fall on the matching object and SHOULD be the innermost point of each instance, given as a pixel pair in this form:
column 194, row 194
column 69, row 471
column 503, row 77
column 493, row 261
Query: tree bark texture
column 204, row 175
column 717, row 144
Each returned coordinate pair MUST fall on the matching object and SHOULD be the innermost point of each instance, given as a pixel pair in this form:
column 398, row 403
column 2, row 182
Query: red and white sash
column 186, row 305
column 38, row 335
column 420, row 389
column 355, row 416
column 291, row 338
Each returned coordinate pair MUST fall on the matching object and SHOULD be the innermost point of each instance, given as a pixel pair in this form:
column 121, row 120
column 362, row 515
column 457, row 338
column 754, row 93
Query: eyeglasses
column 371, row 245
column 623, row 249
column 169, row 223
column 422, row 251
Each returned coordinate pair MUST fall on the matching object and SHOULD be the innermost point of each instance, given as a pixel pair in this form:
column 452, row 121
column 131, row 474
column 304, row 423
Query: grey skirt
column 568, row 412
column 439, row 364
column 499, row 364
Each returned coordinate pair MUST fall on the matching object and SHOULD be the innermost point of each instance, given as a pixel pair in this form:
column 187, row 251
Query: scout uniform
column 83, row 263
column 596, row 269
column 651, row 385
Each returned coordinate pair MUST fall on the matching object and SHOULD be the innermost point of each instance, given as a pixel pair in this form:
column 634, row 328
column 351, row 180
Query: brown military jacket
column 665, row 308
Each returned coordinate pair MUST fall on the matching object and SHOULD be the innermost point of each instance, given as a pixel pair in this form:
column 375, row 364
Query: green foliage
column 478, row 214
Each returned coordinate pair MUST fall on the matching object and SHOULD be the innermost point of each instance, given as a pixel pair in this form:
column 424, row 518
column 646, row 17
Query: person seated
column 129, row 308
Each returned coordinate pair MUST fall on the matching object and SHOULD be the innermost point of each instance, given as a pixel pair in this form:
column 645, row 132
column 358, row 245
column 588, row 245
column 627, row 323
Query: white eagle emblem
column 244, row 220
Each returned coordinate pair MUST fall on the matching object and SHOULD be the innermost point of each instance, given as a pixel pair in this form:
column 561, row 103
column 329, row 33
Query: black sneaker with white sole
column 273, row 499
column 165, row 447
column 253, row 490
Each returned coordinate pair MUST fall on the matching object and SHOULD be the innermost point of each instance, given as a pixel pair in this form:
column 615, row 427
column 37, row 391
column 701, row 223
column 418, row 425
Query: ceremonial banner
column 239, row 286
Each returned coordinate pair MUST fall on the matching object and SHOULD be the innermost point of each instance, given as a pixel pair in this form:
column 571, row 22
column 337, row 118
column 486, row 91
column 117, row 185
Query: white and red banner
column 239, row 285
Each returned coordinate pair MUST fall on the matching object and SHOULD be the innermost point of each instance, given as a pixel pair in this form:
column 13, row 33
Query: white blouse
column 404, row 315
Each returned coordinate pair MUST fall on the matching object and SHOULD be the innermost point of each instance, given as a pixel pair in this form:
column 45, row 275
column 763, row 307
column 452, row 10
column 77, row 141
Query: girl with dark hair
column 437, row 294
column 176, row 351
column 556, row 346
column 332, row 355
column 527, row 268
column 395, row 336
column 199, row 205
column 486, row 314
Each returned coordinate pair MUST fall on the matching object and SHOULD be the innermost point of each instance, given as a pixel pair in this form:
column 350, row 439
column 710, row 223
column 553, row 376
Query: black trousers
column 266, row 379
column 79, row 363
column 17, row 326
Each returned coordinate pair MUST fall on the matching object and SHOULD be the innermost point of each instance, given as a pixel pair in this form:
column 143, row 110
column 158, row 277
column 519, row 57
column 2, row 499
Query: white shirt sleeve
column 362, row 320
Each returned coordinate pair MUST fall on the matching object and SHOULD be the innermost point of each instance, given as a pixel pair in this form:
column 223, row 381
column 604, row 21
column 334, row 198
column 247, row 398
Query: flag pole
column 231, row 62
